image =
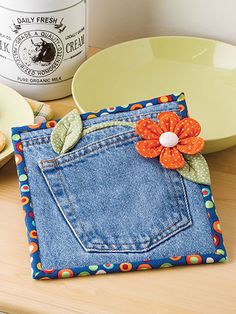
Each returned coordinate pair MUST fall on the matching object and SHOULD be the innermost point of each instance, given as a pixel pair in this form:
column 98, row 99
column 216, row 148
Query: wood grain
column 195, row 289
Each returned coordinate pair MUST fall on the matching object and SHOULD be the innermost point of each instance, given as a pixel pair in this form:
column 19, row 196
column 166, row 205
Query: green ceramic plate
column 14, row 111
column 141, row 69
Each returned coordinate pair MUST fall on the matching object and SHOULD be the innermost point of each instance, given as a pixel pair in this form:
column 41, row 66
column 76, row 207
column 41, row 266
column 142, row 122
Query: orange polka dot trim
column 170, row 138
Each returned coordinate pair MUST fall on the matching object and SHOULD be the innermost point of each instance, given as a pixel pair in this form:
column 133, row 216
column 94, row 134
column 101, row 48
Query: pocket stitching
column 183, row 190
column 102, row 149
column 121, row 244
column 60, row 174
column 79, row 153
column 46, row 139
column 154, row 241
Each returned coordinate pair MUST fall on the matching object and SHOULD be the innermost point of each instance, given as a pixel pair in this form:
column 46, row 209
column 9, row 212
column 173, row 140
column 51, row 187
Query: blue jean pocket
column 113, row 199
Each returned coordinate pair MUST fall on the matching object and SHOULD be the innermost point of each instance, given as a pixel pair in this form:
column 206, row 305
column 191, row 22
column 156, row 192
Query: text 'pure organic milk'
column 42, row 43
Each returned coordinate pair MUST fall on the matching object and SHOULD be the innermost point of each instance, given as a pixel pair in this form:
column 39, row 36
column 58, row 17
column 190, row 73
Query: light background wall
column 114, row 21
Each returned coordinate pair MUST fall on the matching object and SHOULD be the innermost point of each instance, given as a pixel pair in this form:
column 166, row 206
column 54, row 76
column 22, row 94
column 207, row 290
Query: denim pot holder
column 125, row 189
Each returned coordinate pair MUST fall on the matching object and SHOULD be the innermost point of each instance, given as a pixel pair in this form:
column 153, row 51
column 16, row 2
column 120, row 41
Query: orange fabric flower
column 169, row 139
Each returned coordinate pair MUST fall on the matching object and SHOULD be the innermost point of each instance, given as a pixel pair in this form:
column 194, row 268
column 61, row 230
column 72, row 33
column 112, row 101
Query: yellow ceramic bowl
column 14, row 111
column 141, row 69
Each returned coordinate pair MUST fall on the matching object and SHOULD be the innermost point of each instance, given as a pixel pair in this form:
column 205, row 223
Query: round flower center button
column 169, row 139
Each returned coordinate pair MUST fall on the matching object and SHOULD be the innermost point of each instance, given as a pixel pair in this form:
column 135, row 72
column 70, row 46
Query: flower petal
column 149, row 148
column 187, row 128
column 191, row 145
column 168, row 121
column 171, row 158
column 148, row 129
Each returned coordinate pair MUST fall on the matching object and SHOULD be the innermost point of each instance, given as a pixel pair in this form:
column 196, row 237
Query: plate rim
column 104, row 51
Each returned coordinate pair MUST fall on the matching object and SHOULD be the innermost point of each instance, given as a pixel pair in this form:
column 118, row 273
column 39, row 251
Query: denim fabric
column 103, row 202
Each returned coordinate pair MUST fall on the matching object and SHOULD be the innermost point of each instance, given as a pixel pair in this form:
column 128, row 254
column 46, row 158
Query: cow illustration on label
column 38, row 53
column 44, row 51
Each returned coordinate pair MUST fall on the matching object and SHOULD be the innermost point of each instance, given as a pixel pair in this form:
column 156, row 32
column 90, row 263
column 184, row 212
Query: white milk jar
column 42, row 43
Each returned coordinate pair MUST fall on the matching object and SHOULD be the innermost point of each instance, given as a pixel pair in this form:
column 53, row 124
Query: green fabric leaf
column 67, row 132
column 196, row 169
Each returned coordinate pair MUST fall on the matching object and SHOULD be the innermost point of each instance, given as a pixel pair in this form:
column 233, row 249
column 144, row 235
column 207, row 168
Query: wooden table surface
column 187, row 289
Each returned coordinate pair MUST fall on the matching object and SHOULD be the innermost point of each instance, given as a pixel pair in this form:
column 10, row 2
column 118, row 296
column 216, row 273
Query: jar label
column 42, row 48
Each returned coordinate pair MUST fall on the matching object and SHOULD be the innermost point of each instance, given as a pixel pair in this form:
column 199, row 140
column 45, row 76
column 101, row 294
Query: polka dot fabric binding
column 38, row 273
